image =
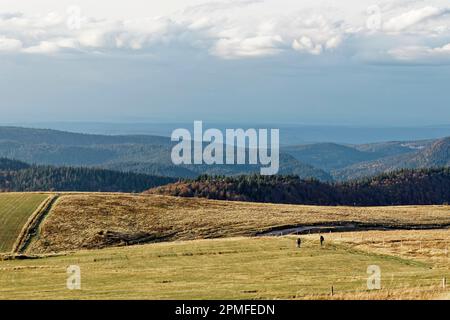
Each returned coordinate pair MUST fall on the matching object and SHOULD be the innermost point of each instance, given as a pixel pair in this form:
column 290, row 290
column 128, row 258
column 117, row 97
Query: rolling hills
column 330, row 156
column 350, row 162
column 151, row 155
column 138, row 154
column 431, row 155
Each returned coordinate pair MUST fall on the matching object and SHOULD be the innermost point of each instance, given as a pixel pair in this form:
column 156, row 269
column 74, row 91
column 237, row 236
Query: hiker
column 322, row 239
column 299, row 242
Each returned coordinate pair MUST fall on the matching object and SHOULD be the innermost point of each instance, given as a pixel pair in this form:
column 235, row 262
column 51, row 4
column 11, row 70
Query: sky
column 351, row 62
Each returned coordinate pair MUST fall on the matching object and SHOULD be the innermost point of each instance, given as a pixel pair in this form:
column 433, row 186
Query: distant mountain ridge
column 151, row 155
column 55, row 137
column 139, row 154
column 329, row 156
column 432, row 155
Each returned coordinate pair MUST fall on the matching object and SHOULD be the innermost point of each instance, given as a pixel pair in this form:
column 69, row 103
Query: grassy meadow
column 209, row 250
column 421, row 245
column 233, row 268
column 15, row 209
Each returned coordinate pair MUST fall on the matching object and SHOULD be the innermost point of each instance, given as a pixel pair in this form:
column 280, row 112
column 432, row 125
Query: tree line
column 403, row 187
column 18, row 176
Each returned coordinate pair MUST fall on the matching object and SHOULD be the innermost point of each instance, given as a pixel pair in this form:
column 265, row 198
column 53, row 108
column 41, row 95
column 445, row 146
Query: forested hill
column 18, row 176
column 137, row 153
column 404, row 187
column 30, row 136
column 8, row 164
column 426, row 155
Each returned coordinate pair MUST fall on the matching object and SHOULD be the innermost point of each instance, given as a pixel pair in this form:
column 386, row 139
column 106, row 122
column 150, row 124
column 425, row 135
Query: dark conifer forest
column 403, row 187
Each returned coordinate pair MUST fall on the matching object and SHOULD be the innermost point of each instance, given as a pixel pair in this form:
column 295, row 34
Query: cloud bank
column 241, row 30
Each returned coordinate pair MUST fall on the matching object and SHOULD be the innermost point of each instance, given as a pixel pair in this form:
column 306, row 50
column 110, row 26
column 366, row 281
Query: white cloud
column 94, row 38
column 10, row 45
column 234, row 30
column 333, row 42
column 421, row 54
column 413, row 17
column 45, row 47
column 307, row 45
column 248, row 47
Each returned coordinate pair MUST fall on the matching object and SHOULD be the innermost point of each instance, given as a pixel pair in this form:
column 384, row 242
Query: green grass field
column 15, row 209
column 233, row 268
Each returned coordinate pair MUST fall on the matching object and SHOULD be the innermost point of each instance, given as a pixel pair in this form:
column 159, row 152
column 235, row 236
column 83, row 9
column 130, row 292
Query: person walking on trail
column 299, row 242
column 322, row 239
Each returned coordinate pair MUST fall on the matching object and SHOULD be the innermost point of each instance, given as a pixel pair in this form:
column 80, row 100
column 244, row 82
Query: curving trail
column 344, row 227
column 16, row 208
column 31, row 228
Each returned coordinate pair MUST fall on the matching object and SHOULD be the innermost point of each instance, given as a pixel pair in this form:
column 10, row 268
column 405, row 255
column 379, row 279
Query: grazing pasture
column 421, row 245
column 204, row 249
column 232, row 268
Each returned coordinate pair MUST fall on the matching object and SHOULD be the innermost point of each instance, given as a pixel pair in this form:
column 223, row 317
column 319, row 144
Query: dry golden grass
column 82, row 220
column 431, row 246
column 412, row 262
column 411, row 293
column 232, row 268
column 427, row 246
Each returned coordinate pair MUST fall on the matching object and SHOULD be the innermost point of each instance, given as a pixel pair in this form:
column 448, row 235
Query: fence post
column 444, row 283
column 332, row 291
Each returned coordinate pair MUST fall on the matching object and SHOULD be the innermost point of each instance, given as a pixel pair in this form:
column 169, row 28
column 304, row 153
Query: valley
column 138, row 227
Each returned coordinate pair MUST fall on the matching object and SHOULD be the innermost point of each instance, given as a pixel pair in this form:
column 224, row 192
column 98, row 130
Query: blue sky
column 322, row 62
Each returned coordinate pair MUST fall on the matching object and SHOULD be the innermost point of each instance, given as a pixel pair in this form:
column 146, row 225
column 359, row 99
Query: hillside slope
column 398, row 188
column 19, row 176
column 329, row 156
column 56, row 137
column 88, row 221
column 12, row 165
column 138, row 154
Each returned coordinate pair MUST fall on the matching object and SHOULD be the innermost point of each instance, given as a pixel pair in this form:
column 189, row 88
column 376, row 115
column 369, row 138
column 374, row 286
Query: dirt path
column 32, row 226
column 343, row 227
